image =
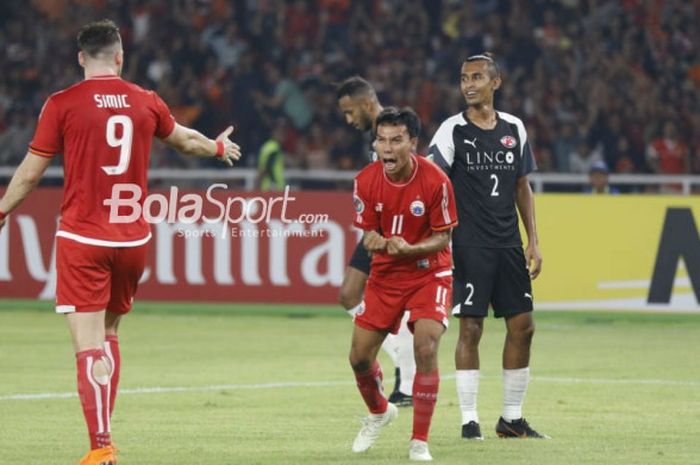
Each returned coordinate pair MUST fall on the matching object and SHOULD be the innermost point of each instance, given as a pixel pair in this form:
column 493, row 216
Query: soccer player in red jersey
column 360, row 106
column 103, row 126
column 406, row 207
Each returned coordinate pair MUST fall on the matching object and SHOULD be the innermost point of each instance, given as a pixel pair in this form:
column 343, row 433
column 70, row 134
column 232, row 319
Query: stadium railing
column 246, row 177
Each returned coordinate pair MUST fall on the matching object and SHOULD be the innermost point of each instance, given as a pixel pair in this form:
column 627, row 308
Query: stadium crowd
column 611, row 80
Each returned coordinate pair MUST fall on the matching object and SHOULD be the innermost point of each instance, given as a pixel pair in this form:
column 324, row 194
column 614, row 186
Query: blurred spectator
column 667, row 154
column 598, row 179
column 13, row 140
column 227, row 44
column 627, row 160
column 316, row 156
column 603, row 71
column 564, row 145
column 544, row 159
column 271, row 161
column 584, row 157
column 287, row 96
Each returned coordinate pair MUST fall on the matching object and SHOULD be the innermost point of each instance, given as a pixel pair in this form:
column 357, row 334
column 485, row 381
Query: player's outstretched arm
column 398, row 247
column 192, row 142
column 25, row 179
column 525, row 201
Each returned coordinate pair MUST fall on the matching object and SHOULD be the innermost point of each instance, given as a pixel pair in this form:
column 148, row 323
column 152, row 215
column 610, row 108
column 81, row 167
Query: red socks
column 370, row 385
column 425, row 389
column 111, row 348
column 94, row 397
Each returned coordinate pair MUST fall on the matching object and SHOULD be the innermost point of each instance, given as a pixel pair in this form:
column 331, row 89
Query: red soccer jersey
column 412, row 210
column 103, row 126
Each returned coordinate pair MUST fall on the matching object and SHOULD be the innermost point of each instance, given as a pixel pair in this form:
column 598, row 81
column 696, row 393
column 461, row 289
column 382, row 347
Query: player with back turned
column 104, row 127
column 405, row 206
column 488, row 157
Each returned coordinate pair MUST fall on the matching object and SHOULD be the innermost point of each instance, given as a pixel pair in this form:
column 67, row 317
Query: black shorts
column 361, row 259
column 484, row 276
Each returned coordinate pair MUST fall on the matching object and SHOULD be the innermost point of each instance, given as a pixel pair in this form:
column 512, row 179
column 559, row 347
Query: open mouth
column 389, row 163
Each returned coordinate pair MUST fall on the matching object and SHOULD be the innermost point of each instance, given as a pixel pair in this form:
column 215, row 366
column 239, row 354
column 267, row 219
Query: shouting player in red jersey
column 103, row 126
column 406, row 207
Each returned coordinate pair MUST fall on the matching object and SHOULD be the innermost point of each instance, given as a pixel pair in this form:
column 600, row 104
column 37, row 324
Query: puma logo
column 470, row 142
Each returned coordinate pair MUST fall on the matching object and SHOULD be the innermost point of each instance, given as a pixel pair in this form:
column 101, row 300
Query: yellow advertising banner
column 618, row 252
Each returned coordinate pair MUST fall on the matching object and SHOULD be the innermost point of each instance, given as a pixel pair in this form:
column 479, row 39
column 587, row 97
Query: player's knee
column 359, row 364
column 348, row 298
column 523, row 333
column 425, row 351
column 529, row 332
column 470, row 331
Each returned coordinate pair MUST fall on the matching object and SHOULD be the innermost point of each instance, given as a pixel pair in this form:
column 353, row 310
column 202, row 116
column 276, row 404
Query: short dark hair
column 400, row 117
column 354, row 86
column 491, row 64
column 97, row 35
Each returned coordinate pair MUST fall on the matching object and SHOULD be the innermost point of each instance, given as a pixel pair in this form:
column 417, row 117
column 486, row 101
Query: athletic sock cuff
column 96, row 353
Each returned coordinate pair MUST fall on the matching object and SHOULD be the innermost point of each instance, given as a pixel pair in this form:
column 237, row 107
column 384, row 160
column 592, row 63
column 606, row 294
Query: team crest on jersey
column 417, row 208
column 509, row 142
column 359, row 204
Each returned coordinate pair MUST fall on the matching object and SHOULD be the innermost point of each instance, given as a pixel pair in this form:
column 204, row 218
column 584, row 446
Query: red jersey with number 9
column 412, row 210
column 104, row 127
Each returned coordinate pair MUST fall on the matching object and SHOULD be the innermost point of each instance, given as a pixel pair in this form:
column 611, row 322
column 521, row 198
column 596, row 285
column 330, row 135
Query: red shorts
column 386, row 300
column 90, row 278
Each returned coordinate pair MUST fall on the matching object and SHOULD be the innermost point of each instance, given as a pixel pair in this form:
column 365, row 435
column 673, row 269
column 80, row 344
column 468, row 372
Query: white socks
column 467, row 388
column 391, row 347
column 405, row 360
column 514, row 387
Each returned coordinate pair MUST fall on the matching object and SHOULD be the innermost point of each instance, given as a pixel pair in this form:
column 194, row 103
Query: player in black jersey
column 359, row 104
column 487, row 156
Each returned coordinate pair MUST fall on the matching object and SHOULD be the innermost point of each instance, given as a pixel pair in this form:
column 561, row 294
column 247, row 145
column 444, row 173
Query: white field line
column 282, row 385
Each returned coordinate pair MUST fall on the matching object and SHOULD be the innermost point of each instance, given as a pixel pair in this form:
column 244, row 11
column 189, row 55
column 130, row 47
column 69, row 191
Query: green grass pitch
column 254, row 384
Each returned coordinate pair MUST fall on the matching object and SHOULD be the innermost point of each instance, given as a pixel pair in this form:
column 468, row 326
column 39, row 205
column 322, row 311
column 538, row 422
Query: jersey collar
column 466, row 120
column 402, row 184
column 103, row 76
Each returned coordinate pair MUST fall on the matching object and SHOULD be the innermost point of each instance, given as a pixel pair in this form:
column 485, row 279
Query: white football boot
column 372, row 426
column 419, row 452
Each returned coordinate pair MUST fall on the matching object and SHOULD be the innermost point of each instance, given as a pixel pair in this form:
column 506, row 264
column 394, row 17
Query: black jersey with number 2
column 484, row 167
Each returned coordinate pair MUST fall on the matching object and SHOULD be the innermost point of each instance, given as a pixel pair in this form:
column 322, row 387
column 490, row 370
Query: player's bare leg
column 88, row 334
column 113, row 353
column 516, row 376
column 368, row 374
column 87, row 330
column 467, row 351
column 516, row 350
column 352, row 288
column 112, row 321
column 426, row 341
column 350, row 297
column 364, row 348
